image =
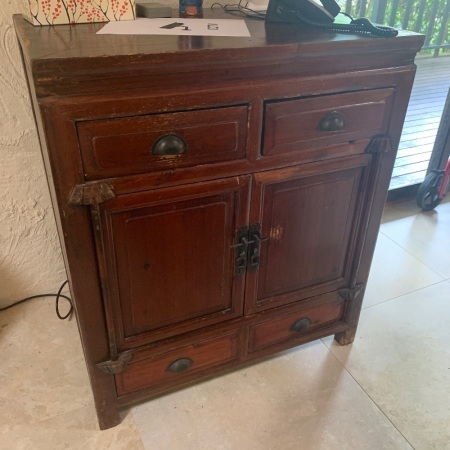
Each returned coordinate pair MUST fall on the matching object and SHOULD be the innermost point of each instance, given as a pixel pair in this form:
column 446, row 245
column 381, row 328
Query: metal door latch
column 248, row 248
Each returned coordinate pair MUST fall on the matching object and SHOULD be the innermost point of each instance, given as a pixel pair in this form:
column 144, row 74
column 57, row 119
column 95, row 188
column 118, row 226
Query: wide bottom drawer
column 295, row 324
column 173, row 366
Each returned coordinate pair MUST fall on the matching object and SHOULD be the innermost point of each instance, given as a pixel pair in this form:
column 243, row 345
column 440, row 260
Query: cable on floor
column 58, row 297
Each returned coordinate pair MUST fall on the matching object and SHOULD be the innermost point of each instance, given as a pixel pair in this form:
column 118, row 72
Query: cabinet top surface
column 81, row 40
column 65, row 58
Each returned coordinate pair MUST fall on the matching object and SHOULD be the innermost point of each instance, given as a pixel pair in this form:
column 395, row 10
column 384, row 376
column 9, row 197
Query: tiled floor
column 389, row 390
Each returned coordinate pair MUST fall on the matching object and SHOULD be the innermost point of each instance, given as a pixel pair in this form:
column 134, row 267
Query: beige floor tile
column 44, row 374
column 57, row 437
column 302, row 399
column 401, row 358
column 425, row 235
column 395, row 272
column 45, row 395
column 405, row 208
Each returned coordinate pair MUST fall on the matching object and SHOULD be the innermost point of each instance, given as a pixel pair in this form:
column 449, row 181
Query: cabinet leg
column 108, row 417
column 346, row 337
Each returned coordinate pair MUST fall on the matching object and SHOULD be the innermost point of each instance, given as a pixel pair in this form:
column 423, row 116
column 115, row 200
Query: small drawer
column 133, row 145
column 293, row 325
column 308, row 123
column 177, row 364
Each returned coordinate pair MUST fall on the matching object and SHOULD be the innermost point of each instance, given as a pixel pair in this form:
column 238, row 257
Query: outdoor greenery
column 430, row 17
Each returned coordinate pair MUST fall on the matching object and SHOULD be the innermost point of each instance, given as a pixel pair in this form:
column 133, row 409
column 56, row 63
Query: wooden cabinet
column 218, row 199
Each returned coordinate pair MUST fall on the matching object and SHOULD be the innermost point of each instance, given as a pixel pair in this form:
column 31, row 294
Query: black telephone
column 311, row 13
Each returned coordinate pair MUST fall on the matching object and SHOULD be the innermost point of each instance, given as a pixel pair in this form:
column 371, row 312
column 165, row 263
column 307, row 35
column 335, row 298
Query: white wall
column 30, row 255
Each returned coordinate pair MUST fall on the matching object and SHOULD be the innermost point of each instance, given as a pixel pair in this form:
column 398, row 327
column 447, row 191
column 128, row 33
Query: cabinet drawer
column 308, row 123
column 294, row 324
column 133, row 145
column 173, row 366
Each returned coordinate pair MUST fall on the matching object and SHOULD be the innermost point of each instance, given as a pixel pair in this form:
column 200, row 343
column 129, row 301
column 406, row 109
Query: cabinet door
column 309, row 218
column 169, row 259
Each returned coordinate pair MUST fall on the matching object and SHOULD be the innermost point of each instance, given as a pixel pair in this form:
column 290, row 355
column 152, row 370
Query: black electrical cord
column 58, row 297
column 239, row 10
column 359, row 26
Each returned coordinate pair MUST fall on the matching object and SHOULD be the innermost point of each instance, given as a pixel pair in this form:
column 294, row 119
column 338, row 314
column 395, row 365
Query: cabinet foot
column 346, row 337
column 108, row 417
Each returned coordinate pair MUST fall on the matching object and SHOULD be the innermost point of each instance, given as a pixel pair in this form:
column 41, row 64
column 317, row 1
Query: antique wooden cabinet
column 218, row 199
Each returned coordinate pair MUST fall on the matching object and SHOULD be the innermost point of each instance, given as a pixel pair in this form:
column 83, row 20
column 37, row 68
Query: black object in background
column 308, row 12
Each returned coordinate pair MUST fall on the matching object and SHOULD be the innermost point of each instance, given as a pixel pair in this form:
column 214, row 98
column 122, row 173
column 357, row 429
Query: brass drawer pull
column 169, row 144
column 180, row 365
column 300, row 325
column 333, row 121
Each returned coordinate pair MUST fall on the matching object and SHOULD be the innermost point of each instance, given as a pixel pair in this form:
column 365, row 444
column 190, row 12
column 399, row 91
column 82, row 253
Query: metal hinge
column 91, row 194
column 248, row 248
column 117, row 365
column 379, row 144
column 350, row 295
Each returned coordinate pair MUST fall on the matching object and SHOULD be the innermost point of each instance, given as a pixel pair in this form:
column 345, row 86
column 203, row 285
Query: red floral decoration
column 76, row 11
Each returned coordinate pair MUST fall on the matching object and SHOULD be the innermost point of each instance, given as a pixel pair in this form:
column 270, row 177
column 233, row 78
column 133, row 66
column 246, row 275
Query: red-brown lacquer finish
column 217, row 199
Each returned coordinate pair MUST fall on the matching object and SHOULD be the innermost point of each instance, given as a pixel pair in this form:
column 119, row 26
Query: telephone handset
column 311, row 13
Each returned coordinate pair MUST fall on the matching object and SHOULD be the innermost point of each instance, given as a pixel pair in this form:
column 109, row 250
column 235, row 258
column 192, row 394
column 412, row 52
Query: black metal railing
column 429, row 17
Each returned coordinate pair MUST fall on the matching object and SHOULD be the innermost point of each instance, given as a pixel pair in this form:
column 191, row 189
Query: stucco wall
column 30, row 255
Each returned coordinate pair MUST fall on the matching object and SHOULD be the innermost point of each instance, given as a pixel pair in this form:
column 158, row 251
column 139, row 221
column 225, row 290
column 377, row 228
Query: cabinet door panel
column 169, row 259
column 309, row 216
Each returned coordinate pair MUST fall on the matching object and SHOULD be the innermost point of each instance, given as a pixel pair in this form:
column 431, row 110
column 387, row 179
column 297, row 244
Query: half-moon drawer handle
column 333, row 121
column 300, row 325
column 180, row 365
column 169, row 144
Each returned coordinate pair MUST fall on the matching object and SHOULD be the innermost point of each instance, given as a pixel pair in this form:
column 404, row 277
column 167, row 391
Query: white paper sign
column 179, row 26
